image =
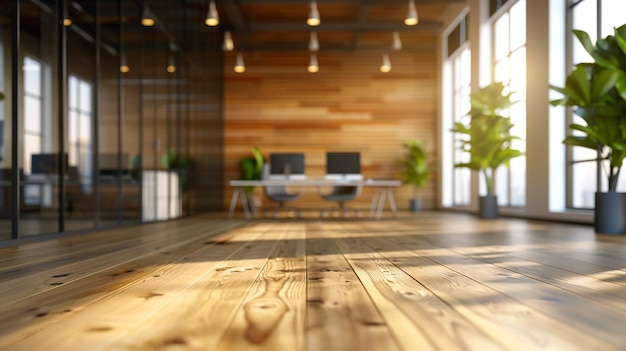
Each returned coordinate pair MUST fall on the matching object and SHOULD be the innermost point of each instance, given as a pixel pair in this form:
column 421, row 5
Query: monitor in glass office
column 343, row 165
column 287, row 166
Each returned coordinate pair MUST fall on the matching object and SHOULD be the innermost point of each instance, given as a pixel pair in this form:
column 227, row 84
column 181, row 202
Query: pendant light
column 147, row 19
column 386, row 66
column 411, row 17
column 314, row 45
column 314, row 15
column 124, row 68
column 67, row 21
column 240, row 66
column 313, row 66
column 397, row 44
column 212, row 17
column 228, row 42
column 171, row 63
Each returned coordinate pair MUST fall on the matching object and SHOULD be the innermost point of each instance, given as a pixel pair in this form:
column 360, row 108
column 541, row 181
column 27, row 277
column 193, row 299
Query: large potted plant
column 597, row 93
column 416, row 171
column 486, row 136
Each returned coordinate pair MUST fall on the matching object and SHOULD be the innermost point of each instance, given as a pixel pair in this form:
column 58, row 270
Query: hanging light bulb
column 386, row 66
column 171, row 63
column 228, row 42
column 313, row 66
column 124, row 68
column 212, row 17
column 67, row 21
column 397, row 44
column 411, row 17
column 314, row 45
column 314, row 15
column 240, row 66
column 147, row 18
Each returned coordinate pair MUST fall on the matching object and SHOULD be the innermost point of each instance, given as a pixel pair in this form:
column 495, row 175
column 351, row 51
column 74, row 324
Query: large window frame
column 80, row 128
column 456, row 90
column 508, row 31
column 33, row 107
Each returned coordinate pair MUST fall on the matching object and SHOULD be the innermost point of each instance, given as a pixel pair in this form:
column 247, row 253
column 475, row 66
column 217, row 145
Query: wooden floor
column 430, row 281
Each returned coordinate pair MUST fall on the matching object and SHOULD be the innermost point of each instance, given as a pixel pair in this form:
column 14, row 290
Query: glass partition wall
column 96, row 117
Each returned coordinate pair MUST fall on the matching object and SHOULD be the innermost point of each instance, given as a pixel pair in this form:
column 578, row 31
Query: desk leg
column 392, row 202
column 374, row 203
column 233, row 202
column 381, row 204
column 244, row 203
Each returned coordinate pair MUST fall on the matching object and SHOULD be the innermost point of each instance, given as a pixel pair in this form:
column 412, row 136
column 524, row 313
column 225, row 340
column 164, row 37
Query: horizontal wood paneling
column 349, row 105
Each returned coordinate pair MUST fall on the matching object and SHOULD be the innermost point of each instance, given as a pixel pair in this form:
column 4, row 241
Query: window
column 509, row 59
column 456, row 91
column 597, row 18
column 32, row 110
column 80, row 129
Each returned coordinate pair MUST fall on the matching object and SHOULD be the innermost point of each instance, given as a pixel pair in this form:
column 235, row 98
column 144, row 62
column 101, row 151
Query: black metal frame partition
column 185, row 103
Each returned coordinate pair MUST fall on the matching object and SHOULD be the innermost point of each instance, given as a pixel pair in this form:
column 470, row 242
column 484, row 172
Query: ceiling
column 261, row 25
column 256, row 25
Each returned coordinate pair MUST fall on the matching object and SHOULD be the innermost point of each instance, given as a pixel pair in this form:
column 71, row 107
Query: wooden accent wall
column 349, row 105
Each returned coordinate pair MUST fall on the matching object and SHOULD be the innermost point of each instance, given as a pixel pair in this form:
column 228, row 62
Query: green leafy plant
column 416, row 171
column 252, row 166
column 597, row 93
column 487, row 135
column 181, row 163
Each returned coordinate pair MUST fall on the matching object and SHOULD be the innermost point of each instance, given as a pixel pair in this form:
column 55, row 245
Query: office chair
column 341, row 194
column 279, row 194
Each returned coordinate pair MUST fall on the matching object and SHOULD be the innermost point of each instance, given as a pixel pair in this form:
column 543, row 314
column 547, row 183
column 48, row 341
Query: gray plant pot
column 415, row 205
column 488, row 207
column 610, row 213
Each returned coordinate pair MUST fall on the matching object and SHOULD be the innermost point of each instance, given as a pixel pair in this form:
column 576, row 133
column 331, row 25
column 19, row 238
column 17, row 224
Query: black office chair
column 281, row 195
column 341, row 194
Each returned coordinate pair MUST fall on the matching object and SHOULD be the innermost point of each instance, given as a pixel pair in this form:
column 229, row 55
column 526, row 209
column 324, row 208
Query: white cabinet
column 161, row 195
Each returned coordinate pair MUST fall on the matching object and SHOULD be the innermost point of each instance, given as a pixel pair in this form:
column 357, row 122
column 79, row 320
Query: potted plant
column 597, row 93
column 487, row 138
column 180, row 163
column 416, row 171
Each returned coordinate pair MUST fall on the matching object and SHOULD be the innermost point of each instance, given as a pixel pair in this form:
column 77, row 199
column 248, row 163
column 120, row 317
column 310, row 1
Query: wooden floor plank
column 507, row 320
column 272, row 316
column 417, row 316
column 27, row 284
column 209, row 305
column 340, row 313
column 29, row 316
column 582, row 314
column 46, row 253
column 424, row 281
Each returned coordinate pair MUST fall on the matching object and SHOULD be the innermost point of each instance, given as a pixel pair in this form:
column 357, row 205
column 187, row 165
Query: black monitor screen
column 343, row 163
column 286, row 164
column 46, row 163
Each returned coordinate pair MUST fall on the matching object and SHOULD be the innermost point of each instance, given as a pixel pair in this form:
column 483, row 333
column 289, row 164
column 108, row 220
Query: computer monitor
column 46, row 164
column 287, row 166
column 343, row 165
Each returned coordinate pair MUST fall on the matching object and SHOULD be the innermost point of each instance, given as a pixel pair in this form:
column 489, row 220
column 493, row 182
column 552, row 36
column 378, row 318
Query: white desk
column 383, row 191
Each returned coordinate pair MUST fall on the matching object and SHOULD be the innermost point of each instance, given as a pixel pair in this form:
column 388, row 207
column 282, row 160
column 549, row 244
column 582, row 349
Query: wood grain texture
column 347, row 106
column 424, row 281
